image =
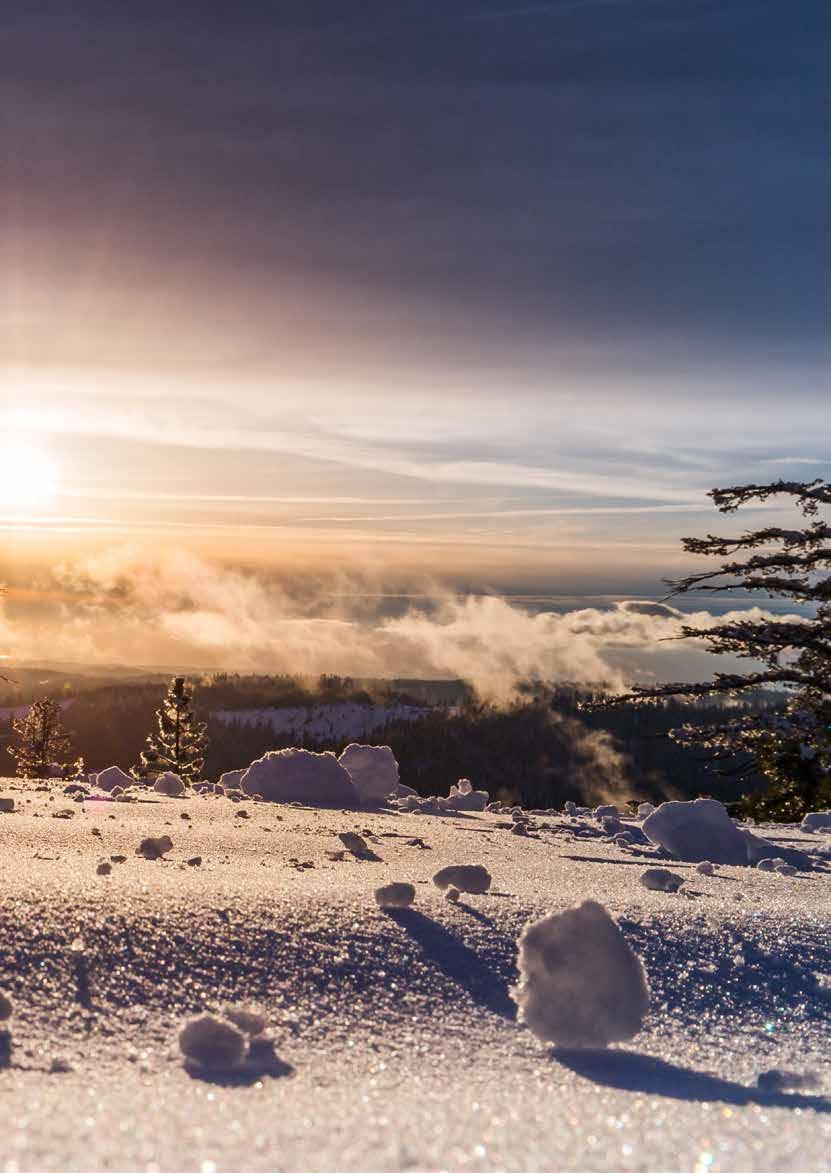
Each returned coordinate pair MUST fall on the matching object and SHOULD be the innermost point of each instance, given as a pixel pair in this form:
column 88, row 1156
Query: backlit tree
column 40, row 740
column 789, row 745
column 180, row 741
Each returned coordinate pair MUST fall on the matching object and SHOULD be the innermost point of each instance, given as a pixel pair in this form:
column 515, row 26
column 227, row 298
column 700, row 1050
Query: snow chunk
column 170, row 784
column 606, row 812
column 395, row 895
column 696, row 831
column 213, row 1042
column 231, row 779
column 768, row 864
column 152, row 848
column 251, row 1020
column 580, row 984
column 817, row 821
column 354, row 842
column 373, row 770
column 463, row 797
column 645, row 809
column 466, row 877
column 661, row 880
column 111, row 777
column 298, row 775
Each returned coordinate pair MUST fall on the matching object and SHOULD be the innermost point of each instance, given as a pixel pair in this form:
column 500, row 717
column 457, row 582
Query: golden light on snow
column 28, row 475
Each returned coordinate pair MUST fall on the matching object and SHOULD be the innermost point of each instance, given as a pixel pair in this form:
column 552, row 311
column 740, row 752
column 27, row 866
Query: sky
column 480, row 293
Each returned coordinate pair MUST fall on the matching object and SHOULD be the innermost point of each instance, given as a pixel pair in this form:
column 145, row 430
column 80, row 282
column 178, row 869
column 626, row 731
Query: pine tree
column 179, row 742
column 41, row 740
column 789, row 745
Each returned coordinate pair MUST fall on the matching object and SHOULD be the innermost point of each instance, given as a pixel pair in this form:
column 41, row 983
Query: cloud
column 138, row 607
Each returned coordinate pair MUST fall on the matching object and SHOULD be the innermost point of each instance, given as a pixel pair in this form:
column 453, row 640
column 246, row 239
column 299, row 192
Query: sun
column 28, row 475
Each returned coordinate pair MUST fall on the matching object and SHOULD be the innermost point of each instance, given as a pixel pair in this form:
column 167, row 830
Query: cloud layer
column 138, row 607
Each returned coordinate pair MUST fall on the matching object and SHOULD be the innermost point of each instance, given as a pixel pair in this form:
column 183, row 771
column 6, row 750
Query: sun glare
column 28, row 476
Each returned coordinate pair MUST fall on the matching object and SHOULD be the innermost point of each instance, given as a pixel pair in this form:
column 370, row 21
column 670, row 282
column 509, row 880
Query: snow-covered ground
column 336, row 721
column 397, row 1039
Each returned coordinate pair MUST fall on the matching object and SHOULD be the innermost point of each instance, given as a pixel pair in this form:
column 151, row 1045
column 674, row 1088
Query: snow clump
column 696, row 831
column 473, row 878
column 580, row 984
column 817, row 821
column 645, row 809
column 661, row 880
column 152, row 848
column 111, row 777
column 463, row 797
column 170, row 784
column 373, row 770
column 395, row 895
column 231, row 779
column 213, row 1043
column 298, row 775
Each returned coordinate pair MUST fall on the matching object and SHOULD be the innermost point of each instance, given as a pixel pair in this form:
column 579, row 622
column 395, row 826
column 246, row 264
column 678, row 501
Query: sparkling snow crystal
column 580, row 984
column 298, row 775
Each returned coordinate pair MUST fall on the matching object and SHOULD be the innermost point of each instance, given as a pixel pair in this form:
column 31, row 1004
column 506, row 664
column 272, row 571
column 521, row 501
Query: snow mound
column 817, row 821
column 170, row 784
column 698, row 830
column 661, row 880
column 213, row 1042
column 298, row 775
column 373, row 770
column 472, row 878
column 580, row 985
column 463, row 797
column 111, row 777
column 395, row 895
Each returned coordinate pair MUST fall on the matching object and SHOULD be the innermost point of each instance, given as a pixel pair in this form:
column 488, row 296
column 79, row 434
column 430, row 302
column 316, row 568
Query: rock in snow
column 661, row 880
column 298, row 775
column 111, row 777
column 169, row 784
column 580, row 984
column 213, row 1042
column 395, row 895
column 472, row 878
column 373, row 770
